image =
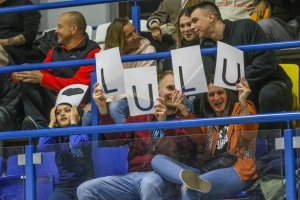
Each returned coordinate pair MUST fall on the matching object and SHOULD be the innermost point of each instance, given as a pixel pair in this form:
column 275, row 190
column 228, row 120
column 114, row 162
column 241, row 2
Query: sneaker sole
column 194, row 182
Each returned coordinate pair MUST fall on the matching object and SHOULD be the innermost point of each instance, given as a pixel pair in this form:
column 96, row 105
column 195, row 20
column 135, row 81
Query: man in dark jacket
column 18, row 30
column 39, row 88
column 283, row 24
column 270, row 85
column 10, row 107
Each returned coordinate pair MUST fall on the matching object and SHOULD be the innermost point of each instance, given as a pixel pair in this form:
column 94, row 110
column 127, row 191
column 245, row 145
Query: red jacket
column 82, row 74
column 143, row 148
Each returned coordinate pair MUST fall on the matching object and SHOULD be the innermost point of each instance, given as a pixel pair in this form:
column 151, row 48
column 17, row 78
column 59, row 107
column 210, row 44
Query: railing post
column 95, row 116
column 289, row 159
column 30, row 173
column 135, row 15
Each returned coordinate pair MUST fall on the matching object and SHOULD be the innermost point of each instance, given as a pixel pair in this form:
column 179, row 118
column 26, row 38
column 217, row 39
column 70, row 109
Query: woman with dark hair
column 231, row 145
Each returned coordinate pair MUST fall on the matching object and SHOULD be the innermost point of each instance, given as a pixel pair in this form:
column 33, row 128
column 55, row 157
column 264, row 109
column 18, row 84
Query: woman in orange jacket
column 229, row 153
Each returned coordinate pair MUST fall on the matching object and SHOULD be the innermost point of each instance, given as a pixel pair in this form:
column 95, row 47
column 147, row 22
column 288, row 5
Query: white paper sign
column 72, row 94
column 229, row 67
column 141, row 89
column 109, row 70
column 188, row 70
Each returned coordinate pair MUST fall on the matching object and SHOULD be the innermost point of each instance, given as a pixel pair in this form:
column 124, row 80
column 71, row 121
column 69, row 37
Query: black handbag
column 222, row 160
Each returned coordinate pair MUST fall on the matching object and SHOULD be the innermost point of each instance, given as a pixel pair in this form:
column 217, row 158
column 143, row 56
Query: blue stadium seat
column 110, row 161
column 0, row 166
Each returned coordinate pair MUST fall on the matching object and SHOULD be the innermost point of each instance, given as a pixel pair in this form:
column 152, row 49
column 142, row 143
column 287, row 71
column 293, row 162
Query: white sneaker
column 192, row 181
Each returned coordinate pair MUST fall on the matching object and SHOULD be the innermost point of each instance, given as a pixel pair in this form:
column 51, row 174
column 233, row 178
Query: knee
column 152, row 187
column 157, row 160
column 84, row 191
column 266, row 25
column 268, row 99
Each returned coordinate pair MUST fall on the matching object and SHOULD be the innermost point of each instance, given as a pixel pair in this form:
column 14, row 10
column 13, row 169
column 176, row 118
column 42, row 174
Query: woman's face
column 185, row 26
column 132, row 40
column 217, row 98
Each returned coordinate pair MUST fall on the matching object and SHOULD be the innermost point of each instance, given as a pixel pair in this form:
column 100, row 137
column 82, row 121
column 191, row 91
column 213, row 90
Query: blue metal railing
column 274, row 117
column 150, row 56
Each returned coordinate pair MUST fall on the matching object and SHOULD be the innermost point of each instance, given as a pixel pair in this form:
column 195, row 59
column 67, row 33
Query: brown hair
column 164, row 74
column 115, row 35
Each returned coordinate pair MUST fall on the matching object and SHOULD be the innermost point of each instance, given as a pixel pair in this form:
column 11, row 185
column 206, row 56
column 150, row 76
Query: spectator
column 72, row 153
column 18, row 30
column 186, row 35
column 140, row 183
column 283, row 25
column 121, row 33
column 270, row 85
column 236, row 142
column 236, row 9
column 39, row 88
column 10, row 99
column 165, row 18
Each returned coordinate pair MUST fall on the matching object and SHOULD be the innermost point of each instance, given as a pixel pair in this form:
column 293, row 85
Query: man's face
column 201, row 22
column 63, row 113
column 166, row 87
column 185, row 26
column 132, row 41
column 64, row 30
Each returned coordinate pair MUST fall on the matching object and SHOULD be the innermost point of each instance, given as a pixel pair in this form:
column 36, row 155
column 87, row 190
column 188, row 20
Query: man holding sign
column 270, row 85
column 143, row 145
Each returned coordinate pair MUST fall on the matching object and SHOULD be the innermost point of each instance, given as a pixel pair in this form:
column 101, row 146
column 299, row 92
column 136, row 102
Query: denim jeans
column 87, row 118
column 135, row 185
column 225, row 182
column 119, row 110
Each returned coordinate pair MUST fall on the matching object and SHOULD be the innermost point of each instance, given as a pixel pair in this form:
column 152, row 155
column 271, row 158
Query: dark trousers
column 38, row 102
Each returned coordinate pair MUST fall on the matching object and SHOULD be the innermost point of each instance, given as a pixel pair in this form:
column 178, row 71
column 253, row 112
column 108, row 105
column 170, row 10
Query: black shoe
column 29, row 124
column 192, row 181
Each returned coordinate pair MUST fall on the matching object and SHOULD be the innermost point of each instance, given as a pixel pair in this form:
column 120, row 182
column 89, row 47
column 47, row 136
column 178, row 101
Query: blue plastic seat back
column 48, row 166
column 12, row 187
column 110, row 161
column 261, row 147
column 0, row 166
column 12, row 167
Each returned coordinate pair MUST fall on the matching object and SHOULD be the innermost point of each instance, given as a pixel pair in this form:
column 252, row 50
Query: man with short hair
column 270, row 85
column 39, row 88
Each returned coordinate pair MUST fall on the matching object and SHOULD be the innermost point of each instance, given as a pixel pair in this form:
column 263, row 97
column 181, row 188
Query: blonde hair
column 115, row 36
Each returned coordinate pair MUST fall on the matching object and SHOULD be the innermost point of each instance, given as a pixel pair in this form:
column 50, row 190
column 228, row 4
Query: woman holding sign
column 121, row 33
column 229, row 155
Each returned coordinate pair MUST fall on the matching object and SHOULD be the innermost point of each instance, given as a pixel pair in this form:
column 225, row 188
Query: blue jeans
column 225, row 182
column 135, row 185
column 87, row 118
column 119, row 110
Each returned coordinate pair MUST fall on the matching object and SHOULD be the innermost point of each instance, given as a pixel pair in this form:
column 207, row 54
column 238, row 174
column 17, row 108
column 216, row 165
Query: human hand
column 160, row 109
column 244, row 90
column 74, row 116
column 52, row 118
column 30, row 76
column 3, row 42
column 100, row 99
column 178, row 102
column 17, row 77
column 260, row 9
column 156, row 32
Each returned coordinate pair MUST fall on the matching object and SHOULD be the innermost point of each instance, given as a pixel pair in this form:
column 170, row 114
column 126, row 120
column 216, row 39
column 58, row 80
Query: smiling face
column 185, row 27
column 132, row 41
column 166, row 87
column 202, row 23
column 63, row 113
column 65, row 30
column 217, row 99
